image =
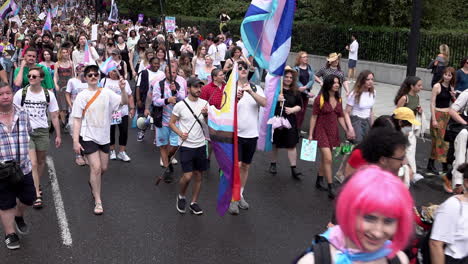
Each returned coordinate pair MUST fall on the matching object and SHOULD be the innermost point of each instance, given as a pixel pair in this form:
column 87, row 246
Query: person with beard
column 20, row 75
column 192, row 143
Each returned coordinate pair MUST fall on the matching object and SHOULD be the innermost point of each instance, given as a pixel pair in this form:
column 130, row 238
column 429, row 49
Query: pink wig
column 373, row 190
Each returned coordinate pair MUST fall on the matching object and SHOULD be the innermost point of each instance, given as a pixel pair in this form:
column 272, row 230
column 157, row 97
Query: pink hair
column 373, row 190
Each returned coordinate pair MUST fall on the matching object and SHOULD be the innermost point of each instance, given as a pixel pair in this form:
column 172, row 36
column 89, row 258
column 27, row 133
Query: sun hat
column 333, row 56
column 404, row 113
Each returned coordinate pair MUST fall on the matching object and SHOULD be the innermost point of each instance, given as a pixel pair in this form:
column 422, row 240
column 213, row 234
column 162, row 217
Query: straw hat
column 333, row 56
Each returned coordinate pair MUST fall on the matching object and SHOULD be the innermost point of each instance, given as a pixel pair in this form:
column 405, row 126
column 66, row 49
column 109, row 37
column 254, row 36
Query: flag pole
column 166, row 44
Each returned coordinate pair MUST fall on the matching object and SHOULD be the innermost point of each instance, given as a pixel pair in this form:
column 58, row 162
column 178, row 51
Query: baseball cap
column 192, row 81
column 115, row 52
column 404, row 113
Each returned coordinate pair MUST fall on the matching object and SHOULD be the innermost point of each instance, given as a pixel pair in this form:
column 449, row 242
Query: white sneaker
column 112, row 155
column 161, row 162
column 123, row 156
column 174, row 161
column 417, row 177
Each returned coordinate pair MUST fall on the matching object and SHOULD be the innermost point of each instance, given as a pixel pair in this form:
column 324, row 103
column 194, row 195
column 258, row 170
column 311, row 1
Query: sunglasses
column 92, row 75
column 240, row 68
column 32, row 76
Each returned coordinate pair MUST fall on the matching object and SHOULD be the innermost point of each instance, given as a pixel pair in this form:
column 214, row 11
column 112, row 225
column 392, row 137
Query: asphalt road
column 141, row 224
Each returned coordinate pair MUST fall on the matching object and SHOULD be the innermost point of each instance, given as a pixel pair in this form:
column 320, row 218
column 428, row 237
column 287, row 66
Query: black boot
column 431, row 167
column 296, row 175
column 319, row 183
column 331, row 191
column 272, row 169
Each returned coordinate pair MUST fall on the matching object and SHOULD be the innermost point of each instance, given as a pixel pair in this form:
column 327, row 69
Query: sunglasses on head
column 32, row 76
column 89, row 75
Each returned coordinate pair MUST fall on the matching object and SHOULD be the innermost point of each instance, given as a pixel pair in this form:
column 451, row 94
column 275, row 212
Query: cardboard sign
column 86, row 21
column 308, row 150
column 42, row 16
column 94, row 32
column 140, row 18
column 170, row 24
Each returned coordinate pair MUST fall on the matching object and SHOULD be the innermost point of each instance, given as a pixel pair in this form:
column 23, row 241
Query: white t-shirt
column 247, row 115
column 96, row 123
column 353, row 50
column 74, row 87
column 214, row 53
column 113, row 85
column 222, row 48
column 365, row 105
column 196, row 138
column 451, row 227
column 36, row 106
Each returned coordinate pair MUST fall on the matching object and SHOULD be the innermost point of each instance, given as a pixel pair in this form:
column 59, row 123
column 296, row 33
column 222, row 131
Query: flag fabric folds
column 114, row 13
column 48, row 23
column 5, row 9
column 87, row 54
column 108, row 66
column 266, row 32
column 223, row 135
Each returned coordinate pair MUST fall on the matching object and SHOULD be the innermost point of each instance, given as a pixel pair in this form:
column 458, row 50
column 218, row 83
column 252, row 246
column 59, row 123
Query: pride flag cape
column 108, row 66
column 223, row 134
column 5, row 9
column 48, row 23
column 266, row 32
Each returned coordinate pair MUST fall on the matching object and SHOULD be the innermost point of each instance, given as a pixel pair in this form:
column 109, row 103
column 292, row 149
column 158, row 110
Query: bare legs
column 196, row 185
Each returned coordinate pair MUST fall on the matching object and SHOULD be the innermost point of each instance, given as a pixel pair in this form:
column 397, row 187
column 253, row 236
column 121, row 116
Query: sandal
column 80, row 161
column 38, row 203
column 98, row 209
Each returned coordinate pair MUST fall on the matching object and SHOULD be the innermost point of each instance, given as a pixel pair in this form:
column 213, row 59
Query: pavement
column 141, row 225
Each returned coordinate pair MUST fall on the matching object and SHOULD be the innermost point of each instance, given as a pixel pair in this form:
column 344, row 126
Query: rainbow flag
column 223, row 134
column 108, row 66
column 5, row 9
column 48, row 23
column 266, row 32
column 87, row 54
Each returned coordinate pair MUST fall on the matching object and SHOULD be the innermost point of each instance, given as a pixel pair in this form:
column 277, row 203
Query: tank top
column 12, row 36
column 124, row 54
column 64, row 75
column 412, row 102
column 443, row 98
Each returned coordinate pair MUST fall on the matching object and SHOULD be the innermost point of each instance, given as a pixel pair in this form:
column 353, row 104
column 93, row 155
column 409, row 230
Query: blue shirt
column 462, row 81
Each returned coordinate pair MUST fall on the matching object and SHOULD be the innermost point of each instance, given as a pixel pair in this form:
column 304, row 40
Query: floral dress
column 326, row 130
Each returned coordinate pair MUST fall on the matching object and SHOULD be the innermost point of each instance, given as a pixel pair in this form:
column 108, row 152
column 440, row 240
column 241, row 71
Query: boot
column 431, row 167
column 331, row 191
column 272, row 169
column 319, row 183
column 296, row 175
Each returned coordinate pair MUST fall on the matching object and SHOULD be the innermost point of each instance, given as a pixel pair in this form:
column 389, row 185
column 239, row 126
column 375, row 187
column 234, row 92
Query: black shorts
column 24, row 191
column 352, row 63
column 90, row 147
column 193, row 159
column 247, row 147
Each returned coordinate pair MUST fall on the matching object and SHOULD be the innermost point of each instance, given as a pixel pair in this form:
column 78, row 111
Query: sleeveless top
column 124, row 53
column 443, row 98
column 64, row 75
column 12, row 35
column 412, row 102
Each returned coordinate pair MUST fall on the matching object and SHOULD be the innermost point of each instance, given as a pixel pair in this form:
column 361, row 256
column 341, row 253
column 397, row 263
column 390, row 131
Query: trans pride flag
column 87, row 54
column 107, row 66
column 223, row 134
column 48, row 23
column 266, row 33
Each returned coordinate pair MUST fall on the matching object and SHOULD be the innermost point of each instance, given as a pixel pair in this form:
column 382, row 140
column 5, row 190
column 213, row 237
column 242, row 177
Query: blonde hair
column 298, row 58
column 444, row 49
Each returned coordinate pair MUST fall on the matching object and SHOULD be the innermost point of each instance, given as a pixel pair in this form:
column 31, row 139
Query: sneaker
column 234, row 208
column 243, row 204
column 417, row 177
column 167, row 177
column 161, row 162
column 112, row 155
column 174, row 161
column 195, row 209
column 180, row 204
column 123, row 156
column 140, row 135
column 21, row 226
column 12, row 241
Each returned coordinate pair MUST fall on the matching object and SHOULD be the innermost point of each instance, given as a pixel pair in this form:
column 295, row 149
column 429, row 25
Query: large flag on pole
column 5, row 9
column 223, row 134
column 48, row 23
column 266, row 33
column 114, row 13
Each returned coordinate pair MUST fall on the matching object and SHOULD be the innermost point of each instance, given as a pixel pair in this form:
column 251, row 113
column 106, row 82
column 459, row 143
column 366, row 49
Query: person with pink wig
column 375, row 222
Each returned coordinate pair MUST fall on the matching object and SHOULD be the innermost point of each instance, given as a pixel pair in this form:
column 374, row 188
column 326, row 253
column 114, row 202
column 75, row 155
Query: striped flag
column 266, row 32
column 5, row 9
column 48, row 23
column 14, row 8
column 223, row 134
column 87, row 54
column 108, row 66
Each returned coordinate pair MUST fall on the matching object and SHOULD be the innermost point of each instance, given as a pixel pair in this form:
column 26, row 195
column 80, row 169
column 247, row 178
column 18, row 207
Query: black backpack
column 321, row 249
column 25, row 91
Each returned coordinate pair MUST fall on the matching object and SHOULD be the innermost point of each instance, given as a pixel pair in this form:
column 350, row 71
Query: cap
column 404, row 113
column 115, row 52
column 192, row 81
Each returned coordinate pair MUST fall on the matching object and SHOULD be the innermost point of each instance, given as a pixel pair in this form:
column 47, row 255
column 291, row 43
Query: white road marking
column 59, row 208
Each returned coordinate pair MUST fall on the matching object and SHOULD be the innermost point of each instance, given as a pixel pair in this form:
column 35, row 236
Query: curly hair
column 382, row 142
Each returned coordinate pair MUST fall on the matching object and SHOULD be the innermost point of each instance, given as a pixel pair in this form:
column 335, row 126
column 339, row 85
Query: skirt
column 439, row 146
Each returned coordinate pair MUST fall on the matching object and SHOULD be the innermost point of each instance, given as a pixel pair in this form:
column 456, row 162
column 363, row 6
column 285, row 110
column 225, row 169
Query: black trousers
column 123, row 132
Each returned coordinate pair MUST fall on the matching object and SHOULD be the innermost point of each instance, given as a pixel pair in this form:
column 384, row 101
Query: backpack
column 25, row 91
column 321, row 249
column 322, row 100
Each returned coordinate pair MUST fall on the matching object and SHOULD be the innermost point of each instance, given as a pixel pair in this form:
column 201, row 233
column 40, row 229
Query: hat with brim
column 404, row 113
column 333, row 56
column 193, row 81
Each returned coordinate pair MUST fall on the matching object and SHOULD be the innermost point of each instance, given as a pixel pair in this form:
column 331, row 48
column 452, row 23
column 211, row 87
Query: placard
column 94, row 32
column 308, row 150
column 140, row 18
column 170, row 24
column 42, row 16
column 86, row 21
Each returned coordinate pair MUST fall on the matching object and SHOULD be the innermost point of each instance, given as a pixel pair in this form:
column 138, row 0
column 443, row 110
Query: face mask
column 406, row 130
